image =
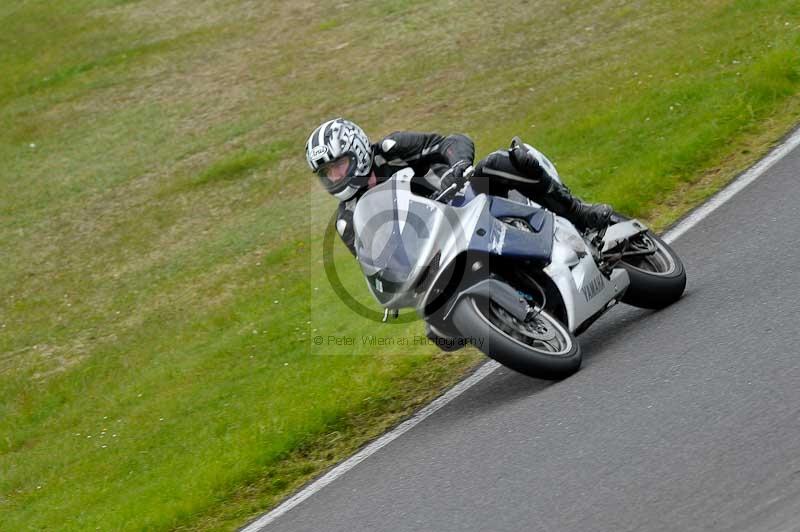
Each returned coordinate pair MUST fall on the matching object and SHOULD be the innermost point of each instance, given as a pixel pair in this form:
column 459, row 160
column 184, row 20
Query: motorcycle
column 503, row 274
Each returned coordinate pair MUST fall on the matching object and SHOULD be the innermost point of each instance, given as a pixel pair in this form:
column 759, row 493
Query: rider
column 340, row 153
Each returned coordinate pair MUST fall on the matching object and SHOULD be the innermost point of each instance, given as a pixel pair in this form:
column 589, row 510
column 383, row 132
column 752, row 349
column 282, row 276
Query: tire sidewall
column 510, row 352
column 655, row 291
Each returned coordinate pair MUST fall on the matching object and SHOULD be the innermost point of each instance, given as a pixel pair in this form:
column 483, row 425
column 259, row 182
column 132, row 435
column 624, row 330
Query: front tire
column 541, row 347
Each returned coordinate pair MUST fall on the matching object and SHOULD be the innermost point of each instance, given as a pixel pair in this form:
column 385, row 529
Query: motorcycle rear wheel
column 658, row 279
column 539, row 347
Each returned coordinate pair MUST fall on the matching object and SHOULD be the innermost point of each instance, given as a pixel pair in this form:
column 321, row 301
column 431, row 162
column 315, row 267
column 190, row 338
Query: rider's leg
column 584, row 215
column 556, row 196
column 499, row 172
column 491, row 175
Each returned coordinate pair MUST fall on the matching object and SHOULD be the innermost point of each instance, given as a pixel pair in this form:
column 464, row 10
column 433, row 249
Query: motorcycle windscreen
column 393, row 234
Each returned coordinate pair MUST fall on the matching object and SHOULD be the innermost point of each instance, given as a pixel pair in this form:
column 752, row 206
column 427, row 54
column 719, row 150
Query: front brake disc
column 540, row 330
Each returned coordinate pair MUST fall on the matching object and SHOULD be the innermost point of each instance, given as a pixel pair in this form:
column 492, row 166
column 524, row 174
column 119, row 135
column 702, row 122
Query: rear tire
column 657, row 280
column 542, row 347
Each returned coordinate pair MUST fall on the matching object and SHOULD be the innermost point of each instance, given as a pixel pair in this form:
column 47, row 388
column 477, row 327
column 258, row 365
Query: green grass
column 161, row 277
column 241, row 163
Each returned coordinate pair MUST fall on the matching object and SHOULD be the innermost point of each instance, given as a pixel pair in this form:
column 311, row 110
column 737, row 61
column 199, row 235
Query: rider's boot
column 585, row 216
column 555, row 196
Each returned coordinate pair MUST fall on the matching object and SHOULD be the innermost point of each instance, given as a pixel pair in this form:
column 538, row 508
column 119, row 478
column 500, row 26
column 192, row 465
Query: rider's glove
column 456, row 174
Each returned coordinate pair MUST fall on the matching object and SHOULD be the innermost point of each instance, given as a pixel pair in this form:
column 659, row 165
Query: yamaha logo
column 593, row 287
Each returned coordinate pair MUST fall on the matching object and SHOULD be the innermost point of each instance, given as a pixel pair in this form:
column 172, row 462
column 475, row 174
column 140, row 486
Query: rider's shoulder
column 388, row 143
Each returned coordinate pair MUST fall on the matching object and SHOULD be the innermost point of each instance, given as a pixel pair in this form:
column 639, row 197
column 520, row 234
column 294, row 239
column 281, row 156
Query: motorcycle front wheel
column 538, row 347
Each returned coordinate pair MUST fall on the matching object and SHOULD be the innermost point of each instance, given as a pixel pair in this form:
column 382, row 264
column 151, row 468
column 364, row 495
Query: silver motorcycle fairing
column 584, row 289
column 620, row 232
column 445, row 230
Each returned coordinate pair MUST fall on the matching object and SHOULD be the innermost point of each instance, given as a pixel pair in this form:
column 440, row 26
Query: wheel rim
column 658, row 263
column 542, row 332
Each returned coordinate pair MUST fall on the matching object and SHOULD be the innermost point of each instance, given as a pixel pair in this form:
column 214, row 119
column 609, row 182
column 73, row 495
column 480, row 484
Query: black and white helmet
column 339, row 152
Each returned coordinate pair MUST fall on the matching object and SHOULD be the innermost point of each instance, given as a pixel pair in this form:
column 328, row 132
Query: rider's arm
column 344, row 224
column 425, row 149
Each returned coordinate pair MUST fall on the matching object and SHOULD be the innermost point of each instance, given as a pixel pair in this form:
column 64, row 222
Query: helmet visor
column 336, row 174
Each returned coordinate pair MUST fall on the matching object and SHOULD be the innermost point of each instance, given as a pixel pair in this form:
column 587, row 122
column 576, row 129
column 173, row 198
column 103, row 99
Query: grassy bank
column 161, row 282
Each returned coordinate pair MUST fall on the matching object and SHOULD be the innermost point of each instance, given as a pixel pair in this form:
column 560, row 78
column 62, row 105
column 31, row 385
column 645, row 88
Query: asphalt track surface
column 683, row 419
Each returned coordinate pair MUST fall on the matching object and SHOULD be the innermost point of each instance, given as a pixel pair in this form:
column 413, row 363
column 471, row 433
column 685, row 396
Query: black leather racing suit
column 428, row 154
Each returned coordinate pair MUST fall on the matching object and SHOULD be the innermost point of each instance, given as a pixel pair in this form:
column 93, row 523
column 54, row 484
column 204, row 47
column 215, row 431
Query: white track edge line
column 718, row 199
column 486, row 369
column 373, row 447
